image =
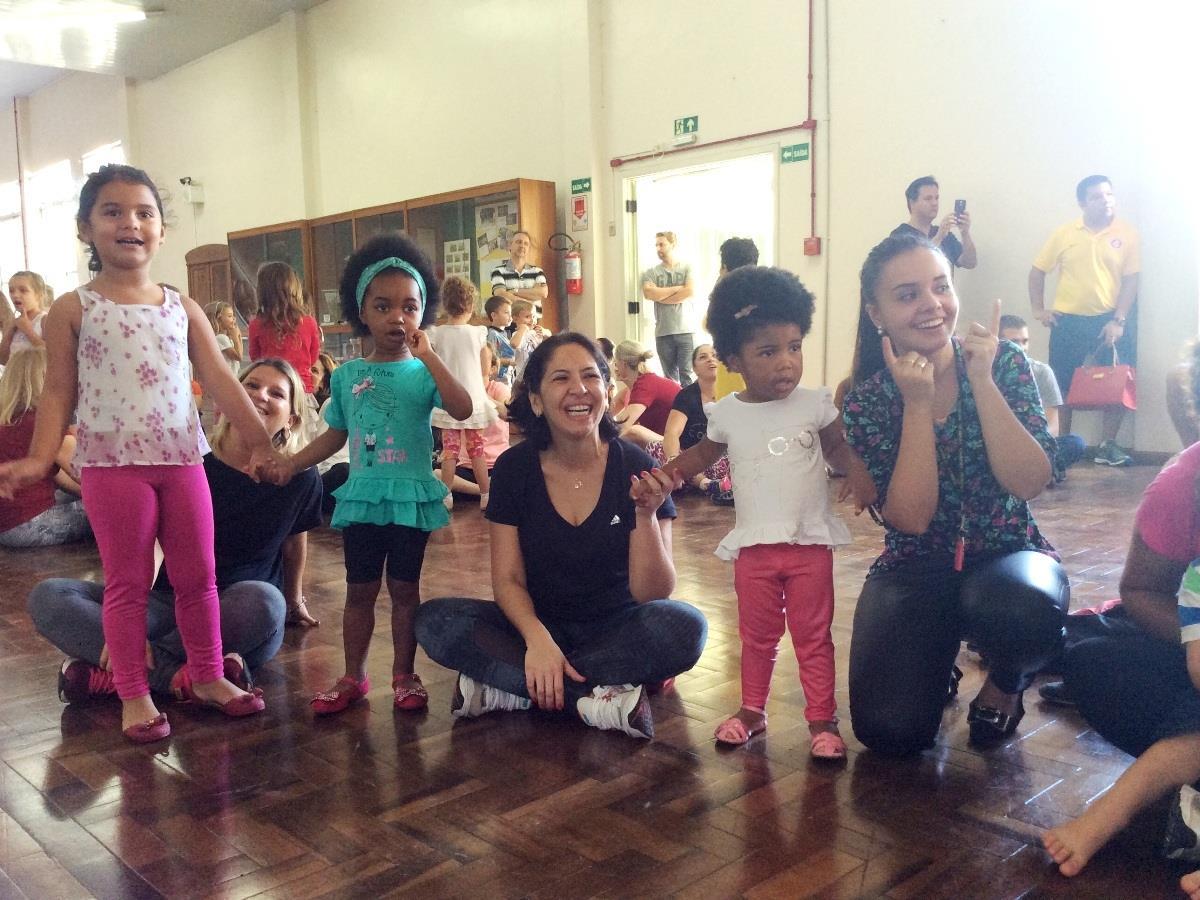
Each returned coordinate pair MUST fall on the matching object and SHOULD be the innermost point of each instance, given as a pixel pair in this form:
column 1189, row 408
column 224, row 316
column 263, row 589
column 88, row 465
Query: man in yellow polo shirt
column 1098, row 260
column 735, row 253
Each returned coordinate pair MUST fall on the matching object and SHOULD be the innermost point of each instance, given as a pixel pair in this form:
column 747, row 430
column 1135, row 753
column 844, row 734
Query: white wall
column 230, row 120
column 1009, row 109
column 358, row 102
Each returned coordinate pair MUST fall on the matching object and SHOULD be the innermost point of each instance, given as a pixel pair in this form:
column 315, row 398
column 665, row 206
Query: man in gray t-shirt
column 669, row 286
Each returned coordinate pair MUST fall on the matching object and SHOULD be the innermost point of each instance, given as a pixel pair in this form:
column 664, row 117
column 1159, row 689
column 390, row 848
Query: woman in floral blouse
column 953, row 434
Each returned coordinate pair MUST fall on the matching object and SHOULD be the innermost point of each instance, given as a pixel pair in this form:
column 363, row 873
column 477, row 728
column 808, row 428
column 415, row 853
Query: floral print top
column 996, row 521
column 134, row 400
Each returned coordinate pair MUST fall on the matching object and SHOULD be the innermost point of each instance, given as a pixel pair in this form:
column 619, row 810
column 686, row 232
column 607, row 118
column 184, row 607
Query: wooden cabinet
column 483, row 217
column 208, row 273
column 478, row 219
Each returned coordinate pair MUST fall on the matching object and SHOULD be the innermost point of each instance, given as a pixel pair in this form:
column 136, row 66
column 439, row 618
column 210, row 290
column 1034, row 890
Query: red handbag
column 1098, row 387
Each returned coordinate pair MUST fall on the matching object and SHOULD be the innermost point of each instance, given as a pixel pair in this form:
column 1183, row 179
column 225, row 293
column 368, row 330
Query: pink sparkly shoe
column 409, row 693
column 345, row 692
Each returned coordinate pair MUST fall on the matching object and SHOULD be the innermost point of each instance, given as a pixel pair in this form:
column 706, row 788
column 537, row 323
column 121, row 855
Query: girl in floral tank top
column 119, row 349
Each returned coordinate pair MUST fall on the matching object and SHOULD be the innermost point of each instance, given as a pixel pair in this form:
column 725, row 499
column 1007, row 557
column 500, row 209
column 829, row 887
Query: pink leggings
column 792, row 584
column 129, row 506
column 452, row 442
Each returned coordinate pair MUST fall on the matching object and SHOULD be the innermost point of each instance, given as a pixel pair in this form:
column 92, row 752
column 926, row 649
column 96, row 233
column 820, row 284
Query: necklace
column 578, row 483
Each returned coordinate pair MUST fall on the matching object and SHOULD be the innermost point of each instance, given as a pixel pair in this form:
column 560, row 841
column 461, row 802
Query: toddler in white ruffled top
column 778, row 436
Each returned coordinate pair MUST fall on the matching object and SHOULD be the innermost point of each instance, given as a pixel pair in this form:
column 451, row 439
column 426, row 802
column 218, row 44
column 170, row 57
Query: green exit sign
column 581, row 186
column 793, row 153
column 687, row 125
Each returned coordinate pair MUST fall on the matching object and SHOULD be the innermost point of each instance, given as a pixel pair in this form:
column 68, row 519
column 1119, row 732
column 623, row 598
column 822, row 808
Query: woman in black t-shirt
column 579, row 562
column 687, row 425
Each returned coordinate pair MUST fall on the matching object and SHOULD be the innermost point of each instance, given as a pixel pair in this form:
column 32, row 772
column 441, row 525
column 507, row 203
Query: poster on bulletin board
column 457, row 258
column 494, row 223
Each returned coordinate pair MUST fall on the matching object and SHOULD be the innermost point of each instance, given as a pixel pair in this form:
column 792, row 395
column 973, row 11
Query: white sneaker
column 483, row 501
column 621, row 707
column 448, row 502
column 474, row 698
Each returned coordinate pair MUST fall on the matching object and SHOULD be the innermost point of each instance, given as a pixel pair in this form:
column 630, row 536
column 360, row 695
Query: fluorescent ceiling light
column 61, row 15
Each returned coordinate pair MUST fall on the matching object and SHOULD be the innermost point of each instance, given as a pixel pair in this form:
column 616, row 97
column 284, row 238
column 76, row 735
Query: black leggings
column 910, row 621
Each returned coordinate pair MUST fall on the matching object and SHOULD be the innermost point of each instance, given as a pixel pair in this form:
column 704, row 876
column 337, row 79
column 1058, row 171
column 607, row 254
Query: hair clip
column 745, row 311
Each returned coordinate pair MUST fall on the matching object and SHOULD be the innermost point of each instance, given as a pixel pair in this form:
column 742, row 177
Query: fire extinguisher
column 572, row 260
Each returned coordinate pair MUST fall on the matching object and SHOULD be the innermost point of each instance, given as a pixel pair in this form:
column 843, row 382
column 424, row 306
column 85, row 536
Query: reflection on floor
column 530, row 805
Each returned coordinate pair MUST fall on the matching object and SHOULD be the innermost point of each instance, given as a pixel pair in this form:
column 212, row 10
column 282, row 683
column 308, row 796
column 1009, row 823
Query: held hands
column 650, row 489
column 271, row 466
column 544, row 669
column 979, row 347
column 912, row 372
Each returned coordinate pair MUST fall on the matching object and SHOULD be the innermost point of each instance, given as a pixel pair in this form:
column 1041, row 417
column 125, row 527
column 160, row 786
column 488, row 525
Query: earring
column 879, row 330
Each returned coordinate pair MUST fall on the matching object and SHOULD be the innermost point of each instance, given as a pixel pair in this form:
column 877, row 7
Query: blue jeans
column 67, row 614
column 675, row 354
column 640, row 644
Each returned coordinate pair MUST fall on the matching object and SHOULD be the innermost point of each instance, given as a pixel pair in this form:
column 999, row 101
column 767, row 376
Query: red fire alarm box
column 812, row 246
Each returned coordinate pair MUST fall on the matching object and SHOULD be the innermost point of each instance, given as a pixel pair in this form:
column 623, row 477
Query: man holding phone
column 922, row 198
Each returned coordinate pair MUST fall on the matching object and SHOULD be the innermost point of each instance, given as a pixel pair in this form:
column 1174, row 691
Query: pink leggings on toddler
column 792, row 585
column 452, row 442
column 129, row 506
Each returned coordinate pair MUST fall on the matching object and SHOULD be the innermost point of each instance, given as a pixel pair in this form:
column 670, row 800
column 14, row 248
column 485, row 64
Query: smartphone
column 960, row 207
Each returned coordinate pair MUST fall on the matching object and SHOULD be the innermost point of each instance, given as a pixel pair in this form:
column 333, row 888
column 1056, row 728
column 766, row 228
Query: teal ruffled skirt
column 416, row 503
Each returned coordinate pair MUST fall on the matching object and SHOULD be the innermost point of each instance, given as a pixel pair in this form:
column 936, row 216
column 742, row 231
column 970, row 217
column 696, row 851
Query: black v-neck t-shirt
column 572, row 572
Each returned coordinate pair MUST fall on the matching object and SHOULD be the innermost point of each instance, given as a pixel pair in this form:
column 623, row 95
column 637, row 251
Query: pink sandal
column 409, row 693
column 345, row 692
column 828, row 745
column 733, row 731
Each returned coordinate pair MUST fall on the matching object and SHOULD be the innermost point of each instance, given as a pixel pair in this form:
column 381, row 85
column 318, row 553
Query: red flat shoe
column 242, row 705
column 345, row 692
column 409, row 693
column 150, row 731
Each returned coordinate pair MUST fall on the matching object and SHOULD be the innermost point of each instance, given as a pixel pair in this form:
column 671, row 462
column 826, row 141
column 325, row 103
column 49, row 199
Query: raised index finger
column 996, row 317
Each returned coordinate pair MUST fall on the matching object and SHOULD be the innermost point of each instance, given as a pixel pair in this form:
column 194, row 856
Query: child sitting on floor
column 1173, row 762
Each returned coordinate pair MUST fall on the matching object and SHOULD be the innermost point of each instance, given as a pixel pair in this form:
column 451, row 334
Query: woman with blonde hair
column 49, row 511
column 649, row 398
column 229, row 337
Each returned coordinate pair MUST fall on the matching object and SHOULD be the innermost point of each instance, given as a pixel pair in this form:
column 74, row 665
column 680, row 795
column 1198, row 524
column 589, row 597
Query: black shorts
column 365, row 548
column 1073, row 337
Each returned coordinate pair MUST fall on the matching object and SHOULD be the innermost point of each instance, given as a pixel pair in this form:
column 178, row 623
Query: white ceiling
column 35, row 50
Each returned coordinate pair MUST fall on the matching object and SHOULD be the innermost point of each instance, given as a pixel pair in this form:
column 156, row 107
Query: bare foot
column 1073, row 844
column 220, row 691
column 137, row 711
column 1191, row 884
column 753, row 720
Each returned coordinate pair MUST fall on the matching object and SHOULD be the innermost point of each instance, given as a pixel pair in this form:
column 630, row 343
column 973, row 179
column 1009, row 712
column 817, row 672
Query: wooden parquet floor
column 377, row 803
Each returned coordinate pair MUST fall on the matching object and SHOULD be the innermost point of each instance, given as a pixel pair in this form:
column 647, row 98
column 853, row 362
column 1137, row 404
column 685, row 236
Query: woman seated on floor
column 648, row 398
column 1136, row 680
column 257, row 532
column 48, row 512
column 952, row 433
column 579, row 562
column 687, row 425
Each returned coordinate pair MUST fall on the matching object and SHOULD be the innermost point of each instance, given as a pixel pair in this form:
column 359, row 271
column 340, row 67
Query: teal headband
column 390, row 262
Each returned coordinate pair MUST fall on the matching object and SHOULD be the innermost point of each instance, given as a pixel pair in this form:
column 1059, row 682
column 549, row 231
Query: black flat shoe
column 989, row 725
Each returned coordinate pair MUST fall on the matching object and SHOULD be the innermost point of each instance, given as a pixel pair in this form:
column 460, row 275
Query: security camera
column 186, row 179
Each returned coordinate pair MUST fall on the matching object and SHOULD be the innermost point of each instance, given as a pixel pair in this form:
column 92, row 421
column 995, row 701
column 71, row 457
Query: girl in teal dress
column 392, row 499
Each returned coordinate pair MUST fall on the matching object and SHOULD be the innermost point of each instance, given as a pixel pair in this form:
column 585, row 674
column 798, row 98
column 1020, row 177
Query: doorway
column 703, row 205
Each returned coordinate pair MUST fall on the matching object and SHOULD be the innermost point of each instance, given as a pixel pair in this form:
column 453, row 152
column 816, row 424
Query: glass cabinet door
column 332, row 244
